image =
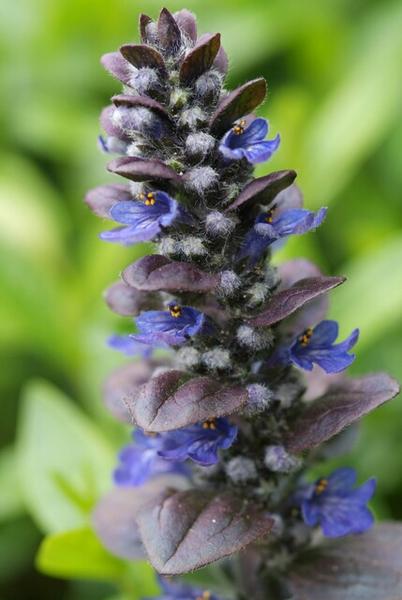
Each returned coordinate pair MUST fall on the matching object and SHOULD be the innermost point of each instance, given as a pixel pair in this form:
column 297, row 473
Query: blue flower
column 128, row 346
column 249, row 142
column 276, row 224
column 151, row 455
column 181, row 591
column 199, row 442
column 161, row 329
column 145, row 218
column 140, row 461
column 316, row 346
column 336, row 505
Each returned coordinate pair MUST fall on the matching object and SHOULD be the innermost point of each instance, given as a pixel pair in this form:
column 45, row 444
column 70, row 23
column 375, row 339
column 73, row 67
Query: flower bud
column 277, row 459
column 241, row 469
column 218, row 224
column 145, row 81
column 200, row 144
column 208, row 87
column 230, row 283
column 217, row 359
column 259, row 399
column 201, row 179
column 254, row 339
column 193, row 118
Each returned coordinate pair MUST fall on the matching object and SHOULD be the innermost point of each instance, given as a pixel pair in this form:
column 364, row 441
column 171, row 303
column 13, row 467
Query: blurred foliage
column 334, row 69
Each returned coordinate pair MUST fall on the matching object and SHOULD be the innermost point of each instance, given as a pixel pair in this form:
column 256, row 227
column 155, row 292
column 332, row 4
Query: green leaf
column 372, row 297
column 11, row 503
column 64, row 463
column 78, row 554
column 355, row 119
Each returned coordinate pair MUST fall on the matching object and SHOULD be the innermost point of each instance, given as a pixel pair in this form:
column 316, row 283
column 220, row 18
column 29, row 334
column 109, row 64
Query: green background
column 334, row 69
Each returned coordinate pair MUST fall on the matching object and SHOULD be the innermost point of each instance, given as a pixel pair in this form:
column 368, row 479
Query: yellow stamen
column 175, row 311
column 209, row 424
column 270, row 215
column 150, row 199
column 321, row 486
column 238, row 129
column 305, row 338
column 205, row 596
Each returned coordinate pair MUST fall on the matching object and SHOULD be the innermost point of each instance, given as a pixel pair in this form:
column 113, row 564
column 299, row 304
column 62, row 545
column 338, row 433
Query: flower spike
column 235, row 383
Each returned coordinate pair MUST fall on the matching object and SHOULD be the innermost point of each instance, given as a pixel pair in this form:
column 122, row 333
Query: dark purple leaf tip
column 344, row 403
column 237, row 104
column 141, row 56
column 200, row 58
column 158, row 273
column 287, row 301
column 130, row 100
column 169, row 34
column 138, row 169
column 117, row 66
column 101, row 199
column 264, row 189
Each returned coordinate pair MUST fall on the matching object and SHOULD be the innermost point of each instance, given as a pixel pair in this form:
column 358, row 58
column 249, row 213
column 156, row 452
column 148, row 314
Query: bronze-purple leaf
column 183, row 531
column 200, row 58
column 172, row 400
column 237, row 104
column 131, row 100
column 221, row 62
column 264, row 189
column 101, row 199
column 107, row 124
column 123, row 384
column 144, row 21
column 114, row 516
column 127, row 301
column 169, row 34
column 140, row 56
column 138, row 169
column 344, row 403
column 187, row 23
column 286, row 302
column 117, row 66
column 361, row 567
column 158, row 273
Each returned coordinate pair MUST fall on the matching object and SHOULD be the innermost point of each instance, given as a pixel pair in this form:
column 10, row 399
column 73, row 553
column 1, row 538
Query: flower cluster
column 238, row 380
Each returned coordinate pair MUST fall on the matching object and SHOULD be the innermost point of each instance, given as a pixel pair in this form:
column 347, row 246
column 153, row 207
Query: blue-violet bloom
column 316, row 346
column 249, row 142
column 128, row 346
column 162, row 329
column 199, row 442
column 181, row 591
column 140, row 461
column 277, row 224
column 336, row 505
column 144, row 218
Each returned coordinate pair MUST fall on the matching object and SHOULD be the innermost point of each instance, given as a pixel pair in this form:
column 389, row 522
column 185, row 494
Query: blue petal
column 325, row 334
column 254, row 133
column 129, row 347
column 330, row 360
column 365, row 492
column 131, row 235
column 297, row 221
column 310, row 513
column 342, row 479
column 261, row 151
column 231, row 154
column 348, row 344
